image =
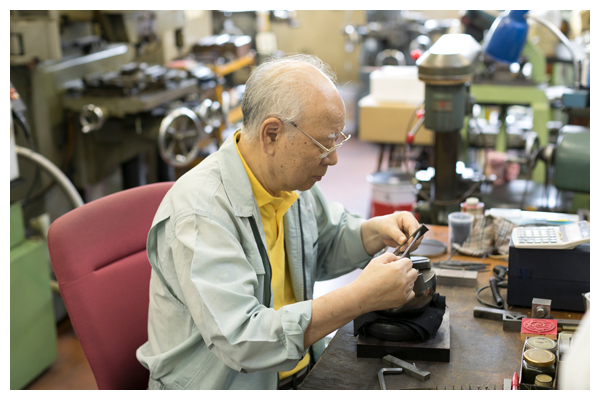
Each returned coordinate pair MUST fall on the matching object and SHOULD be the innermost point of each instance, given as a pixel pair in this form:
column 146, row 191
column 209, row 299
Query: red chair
column 98, row 252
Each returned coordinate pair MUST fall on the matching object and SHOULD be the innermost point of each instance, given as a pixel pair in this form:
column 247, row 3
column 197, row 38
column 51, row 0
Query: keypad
column 536, row 234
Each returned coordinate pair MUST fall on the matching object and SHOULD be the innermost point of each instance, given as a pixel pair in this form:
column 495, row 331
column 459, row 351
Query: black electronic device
column 556, row 274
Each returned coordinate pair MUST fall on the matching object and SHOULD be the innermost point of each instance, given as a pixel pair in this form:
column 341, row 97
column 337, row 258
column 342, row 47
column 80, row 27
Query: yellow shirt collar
column 260, row 193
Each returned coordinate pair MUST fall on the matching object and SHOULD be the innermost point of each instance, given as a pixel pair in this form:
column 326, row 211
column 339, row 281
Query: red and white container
column 472, row 205
column 393, row 190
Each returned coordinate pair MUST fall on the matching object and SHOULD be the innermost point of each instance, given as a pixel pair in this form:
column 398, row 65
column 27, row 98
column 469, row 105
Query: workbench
column 482, row 354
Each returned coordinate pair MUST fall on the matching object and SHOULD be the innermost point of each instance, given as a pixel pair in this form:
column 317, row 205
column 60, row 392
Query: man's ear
column 271, row 132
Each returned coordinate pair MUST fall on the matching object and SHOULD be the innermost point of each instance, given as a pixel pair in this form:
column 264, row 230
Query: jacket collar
column 235, row 180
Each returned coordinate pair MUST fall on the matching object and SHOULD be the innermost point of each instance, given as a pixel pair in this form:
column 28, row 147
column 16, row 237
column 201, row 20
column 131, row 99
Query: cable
column 483, row 302
column 498, row 280
column 21, row 121
column 408, row 127
column 530, row 166
column 56, row 173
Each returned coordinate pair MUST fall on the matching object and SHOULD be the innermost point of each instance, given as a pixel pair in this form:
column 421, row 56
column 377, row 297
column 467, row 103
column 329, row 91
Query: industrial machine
column 88, row 111
column 119, row 113
column 447, row 68
column 512, row 26
column 523, row 123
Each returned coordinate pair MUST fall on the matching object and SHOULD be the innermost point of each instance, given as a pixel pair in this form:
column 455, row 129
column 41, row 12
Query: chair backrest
column 98, row 253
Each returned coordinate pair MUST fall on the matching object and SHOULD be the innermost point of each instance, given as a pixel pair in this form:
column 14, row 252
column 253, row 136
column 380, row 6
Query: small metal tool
column 494, row 314
column 420, row 231
column 409, row 369
column 384, row 371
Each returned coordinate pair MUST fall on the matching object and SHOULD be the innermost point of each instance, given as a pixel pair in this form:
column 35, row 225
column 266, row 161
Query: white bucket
column 392, row 191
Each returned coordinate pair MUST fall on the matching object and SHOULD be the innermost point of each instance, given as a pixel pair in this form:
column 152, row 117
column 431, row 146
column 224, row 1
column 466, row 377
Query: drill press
column 447, row 68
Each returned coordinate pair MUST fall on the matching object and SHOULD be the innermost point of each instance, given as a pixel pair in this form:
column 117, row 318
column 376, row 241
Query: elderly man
column 238, row 242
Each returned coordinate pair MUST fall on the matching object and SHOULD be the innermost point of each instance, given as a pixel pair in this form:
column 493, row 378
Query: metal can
column 472, row 205
column 539, row 342
column 536, row 362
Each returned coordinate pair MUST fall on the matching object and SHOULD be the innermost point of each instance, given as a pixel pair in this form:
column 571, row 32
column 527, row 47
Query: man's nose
column 331, row 159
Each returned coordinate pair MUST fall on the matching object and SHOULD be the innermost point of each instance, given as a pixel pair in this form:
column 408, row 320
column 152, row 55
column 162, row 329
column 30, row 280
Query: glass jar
column 543, row 380
column 536, row 362
column 539, row 342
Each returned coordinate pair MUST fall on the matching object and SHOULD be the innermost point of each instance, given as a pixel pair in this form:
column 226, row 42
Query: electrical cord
column 408, row 127
column 530, row 166
column 22, row 123
column 498, row 280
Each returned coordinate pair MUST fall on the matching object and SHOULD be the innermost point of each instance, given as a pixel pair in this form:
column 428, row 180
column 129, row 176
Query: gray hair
column 277, row 89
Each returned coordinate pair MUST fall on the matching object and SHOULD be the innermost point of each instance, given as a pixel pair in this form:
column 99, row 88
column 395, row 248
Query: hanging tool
column 410, row 136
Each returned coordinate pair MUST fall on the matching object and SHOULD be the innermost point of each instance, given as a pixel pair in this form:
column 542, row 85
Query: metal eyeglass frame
column 325, row 149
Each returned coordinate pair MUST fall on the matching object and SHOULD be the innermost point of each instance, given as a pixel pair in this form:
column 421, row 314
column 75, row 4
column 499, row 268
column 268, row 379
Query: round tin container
column 543, row 343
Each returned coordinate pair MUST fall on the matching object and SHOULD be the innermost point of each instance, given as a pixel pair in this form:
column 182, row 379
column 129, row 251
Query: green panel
column 32, row 326
column 17, row 229
column 536, row 57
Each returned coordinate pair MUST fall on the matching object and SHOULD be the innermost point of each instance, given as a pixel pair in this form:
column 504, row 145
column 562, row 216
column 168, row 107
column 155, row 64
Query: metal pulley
column 179, row 137
column 212, row 115
column 91, row 118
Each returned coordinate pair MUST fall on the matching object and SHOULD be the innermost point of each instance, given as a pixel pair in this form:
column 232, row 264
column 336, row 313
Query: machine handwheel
column 179, row 137
column 211, row 114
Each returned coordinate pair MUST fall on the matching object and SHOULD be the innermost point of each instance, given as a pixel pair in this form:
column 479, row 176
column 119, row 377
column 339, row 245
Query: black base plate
column 436, row 349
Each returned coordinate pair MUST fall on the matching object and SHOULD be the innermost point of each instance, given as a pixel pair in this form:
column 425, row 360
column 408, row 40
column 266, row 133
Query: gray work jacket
column 211, row 321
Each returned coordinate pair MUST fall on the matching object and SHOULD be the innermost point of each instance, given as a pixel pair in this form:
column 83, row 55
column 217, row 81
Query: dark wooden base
column 436, row 349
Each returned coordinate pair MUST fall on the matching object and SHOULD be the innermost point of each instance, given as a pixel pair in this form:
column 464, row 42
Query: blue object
column 507, row 36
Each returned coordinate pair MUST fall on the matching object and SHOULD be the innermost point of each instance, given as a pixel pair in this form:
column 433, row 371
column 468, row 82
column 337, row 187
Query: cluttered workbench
column 481, row 353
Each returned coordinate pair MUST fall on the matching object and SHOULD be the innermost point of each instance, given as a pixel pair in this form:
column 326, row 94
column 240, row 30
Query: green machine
column 32, row 327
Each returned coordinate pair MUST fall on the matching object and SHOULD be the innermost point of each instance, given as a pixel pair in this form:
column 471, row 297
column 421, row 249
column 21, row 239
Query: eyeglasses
column 325, row 149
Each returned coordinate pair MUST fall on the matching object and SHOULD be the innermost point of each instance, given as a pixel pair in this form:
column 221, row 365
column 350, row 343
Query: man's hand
column 386, row 282
column 389, row 230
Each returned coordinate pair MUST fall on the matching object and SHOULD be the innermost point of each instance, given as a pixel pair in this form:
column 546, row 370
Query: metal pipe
column 565, row 41
column 445, row 156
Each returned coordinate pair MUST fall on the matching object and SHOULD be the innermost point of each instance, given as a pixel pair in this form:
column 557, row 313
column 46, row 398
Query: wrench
column 384, row 371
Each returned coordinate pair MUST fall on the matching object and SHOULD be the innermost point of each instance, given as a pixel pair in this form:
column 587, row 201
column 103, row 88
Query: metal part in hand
column 420, row 231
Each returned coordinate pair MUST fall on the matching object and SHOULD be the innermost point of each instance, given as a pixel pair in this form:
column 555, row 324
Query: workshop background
column 103, row 101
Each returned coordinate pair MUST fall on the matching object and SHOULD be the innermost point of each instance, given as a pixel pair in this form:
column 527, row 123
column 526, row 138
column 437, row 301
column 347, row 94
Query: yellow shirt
column 272, row 210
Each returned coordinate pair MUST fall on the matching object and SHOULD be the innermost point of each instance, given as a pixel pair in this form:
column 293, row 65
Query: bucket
column 392, row 191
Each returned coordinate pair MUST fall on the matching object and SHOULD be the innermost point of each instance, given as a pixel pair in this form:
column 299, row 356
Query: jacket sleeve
column 340, row 247
column 220, row 287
